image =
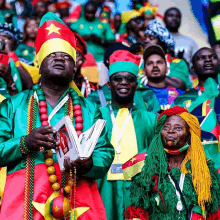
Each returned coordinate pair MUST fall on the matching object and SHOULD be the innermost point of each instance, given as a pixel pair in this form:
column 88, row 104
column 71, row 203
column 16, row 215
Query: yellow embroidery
column 100, row 26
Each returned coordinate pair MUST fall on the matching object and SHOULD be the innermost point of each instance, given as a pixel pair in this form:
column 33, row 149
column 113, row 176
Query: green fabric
column 50, row 16
column 3, row 88
column 13, row 120
column 26, row 52
column 144, row 98
column 115, row 194
column 154, row 204
column 4, row 12
column 123, row 66
column 100, row 29
column 192, row 96
column 179, row 69
column 17, row 79
column 215, row 25
column 15, row 75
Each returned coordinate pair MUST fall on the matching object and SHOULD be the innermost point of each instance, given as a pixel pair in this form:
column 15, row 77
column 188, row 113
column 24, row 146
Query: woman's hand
column 39, row 137
column 82, row 166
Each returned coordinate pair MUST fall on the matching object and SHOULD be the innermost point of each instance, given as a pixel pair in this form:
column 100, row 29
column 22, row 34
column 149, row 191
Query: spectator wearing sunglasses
column 144, row 98
column 131, row 129
column 155, row 70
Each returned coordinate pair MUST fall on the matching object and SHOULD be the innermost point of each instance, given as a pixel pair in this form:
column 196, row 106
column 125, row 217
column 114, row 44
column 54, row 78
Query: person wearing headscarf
column 13, row 77
column 178, row 74
column 177, row 180
column 127, row 134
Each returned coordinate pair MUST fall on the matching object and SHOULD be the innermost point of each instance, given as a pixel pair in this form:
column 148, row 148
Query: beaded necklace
column 72, row 108
column 178, row 151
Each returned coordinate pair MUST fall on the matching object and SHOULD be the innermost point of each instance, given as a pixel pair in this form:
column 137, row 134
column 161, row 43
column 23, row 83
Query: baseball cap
column 154, row 49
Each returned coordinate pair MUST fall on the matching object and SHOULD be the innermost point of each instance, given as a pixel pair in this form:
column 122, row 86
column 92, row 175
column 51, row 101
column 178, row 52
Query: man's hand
column 4, row 71
column 39, row 137
column 83, row 166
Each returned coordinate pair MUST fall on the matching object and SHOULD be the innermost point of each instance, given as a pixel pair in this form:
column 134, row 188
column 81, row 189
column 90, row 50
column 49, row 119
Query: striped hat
column 54, row 36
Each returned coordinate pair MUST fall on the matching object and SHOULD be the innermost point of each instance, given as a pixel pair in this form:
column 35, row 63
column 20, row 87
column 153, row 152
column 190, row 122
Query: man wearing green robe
column 26, row 120
column 206, row 66
column 131, row 130
column 144, row 98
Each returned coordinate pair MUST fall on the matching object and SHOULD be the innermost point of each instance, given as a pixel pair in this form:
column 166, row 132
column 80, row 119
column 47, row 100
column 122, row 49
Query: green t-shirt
column 100, row 29
column 26, row 52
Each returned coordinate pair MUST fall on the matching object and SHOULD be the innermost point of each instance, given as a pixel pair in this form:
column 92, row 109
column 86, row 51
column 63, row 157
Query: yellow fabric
column 55, row 45
column 126, row 16
column 33, row 71
column 3, row 175
column 44, row 209
column 133, row 170
column 196, row 155
column 91, row 72
column 1, row 98
column 128, row 142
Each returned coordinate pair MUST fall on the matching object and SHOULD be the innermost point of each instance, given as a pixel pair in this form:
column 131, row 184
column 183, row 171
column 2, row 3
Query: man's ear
column 109, row 84
column 167, row 69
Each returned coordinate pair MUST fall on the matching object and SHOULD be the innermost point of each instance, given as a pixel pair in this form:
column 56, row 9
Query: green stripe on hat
column 50, row 16
column 123, row 66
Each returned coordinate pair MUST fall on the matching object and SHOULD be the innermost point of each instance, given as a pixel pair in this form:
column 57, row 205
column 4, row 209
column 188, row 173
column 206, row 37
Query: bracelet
column 13, row 56
column 24, row 149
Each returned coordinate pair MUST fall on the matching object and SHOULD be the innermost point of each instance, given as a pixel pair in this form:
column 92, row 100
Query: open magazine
column 73, row 146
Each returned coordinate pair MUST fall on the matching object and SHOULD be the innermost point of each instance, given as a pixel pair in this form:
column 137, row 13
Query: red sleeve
column 132, row 212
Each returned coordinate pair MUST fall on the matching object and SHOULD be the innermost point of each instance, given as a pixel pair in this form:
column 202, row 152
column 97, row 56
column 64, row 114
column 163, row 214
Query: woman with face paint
column 177, row 180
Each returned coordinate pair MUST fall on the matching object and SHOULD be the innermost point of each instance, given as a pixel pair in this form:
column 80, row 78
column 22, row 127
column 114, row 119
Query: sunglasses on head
column 129, row 79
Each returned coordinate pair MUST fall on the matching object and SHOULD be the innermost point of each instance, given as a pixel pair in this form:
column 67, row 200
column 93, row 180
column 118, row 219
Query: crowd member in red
column 84, row 65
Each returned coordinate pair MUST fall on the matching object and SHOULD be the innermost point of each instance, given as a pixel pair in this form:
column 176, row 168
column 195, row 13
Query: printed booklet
column 73, row 146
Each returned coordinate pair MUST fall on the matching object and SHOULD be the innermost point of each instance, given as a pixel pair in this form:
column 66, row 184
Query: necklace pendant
column 179, row 206
column 118, row 149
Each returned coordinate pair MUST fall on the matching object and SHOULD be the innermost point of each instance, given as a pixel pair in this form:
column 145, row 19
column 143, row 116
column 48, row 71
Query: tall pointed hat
column 54, row 36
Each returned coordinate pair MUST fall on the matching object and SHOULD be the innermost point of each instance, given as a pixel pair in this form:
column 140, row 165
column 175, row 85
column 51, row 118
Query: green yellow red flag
column 210, row 124
column 133, row 166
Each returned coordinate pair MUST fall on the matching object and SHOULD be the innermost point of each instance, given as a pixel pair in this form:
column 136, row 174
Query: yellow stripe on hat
column 126, row 16
column 55, row 45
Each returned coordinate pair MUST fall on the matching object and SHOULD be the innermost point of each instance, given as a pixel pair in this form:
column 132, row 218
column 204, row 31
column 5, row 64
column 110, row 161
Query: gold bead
column 49, row 154
column 67, row 189
column 51, row 170
column 49, row 162
column 56, row 186
column 70, row 182
column 53, row 178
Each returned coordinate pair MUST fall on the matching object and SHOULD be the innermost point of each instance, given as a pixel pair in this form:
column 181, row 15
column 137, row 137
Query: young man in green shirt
column 97, row 34
column 131, row 130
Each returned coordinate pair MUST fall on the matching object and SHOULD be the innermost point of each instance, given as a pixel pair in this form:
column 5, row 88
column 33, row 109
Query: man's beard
column 124, row 100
